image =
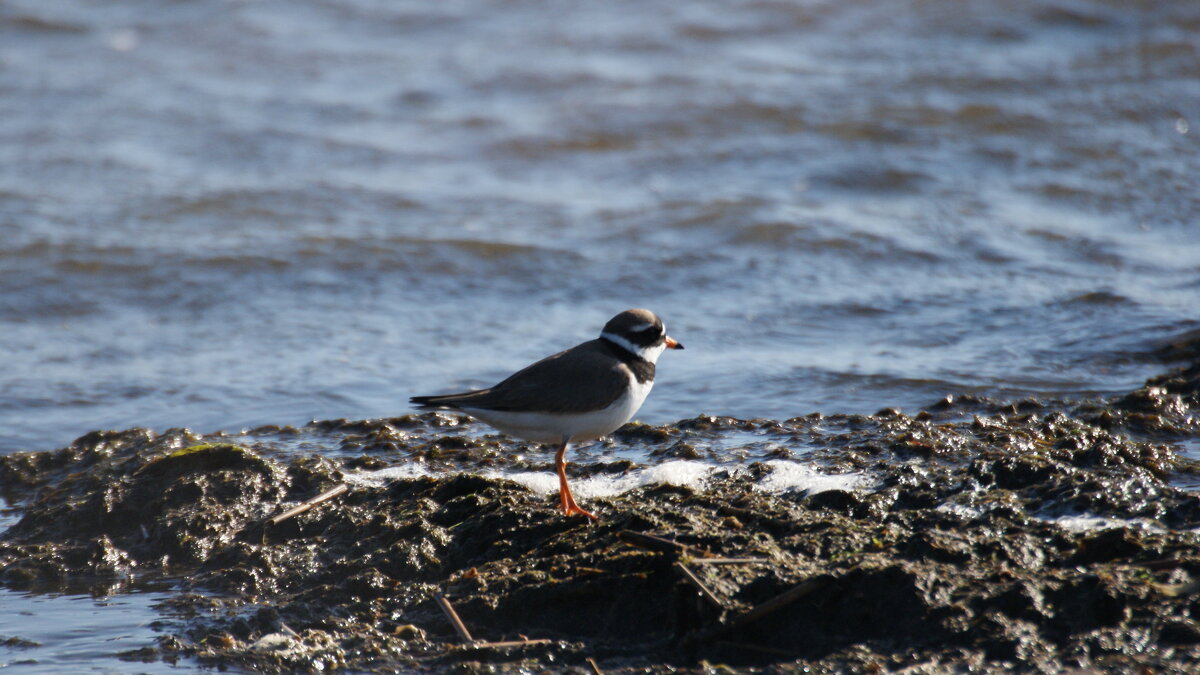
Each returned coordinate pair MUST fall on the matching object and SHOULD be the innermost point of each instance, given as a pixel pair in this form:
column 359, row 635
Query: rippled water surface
column 221, row 213
column 80, row 633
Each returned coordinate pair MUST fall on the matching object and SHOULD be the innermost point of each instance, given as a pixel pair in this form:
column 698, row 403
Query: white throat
column 650, row 353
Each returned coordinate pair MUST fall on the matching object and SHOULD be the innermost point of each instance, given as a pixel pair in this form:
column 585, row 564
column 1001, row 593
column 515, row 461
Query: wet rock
column 637, row 431
column 951, row 559
column 1180, row 631
column 140, row 500
column 938, row 546
column 835, row 500
column 1014, row 640
column 1109, row 545
column 680, row 450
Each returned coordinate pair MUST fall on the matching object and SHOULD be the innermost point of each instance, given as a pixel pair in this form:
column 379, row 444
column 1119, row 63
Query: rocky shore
column 977, row 536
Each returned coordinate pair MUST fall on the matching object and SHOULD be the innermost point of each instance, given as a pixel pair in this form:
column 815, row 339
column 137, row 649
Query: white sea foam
column 784, row 475
column 382, row 477
column 1074, row 522
column 679, row 472
column 964, row 511
column 787, row 475
column 1083, row 522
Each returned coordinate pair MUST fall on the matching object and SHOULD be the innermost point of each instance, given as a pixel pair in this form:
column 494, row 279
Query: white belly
column 554, row 427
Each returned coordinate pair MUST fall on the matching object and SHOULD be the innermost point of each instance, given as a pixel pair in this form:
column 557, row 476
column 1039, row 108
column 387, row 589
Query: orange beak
column 672, row 343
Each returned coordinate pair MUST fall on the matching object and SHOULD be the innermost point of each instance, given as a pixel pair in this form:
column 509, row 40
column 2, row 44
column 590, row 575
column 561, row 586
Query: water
column 221, row 213
column 86, row 630
column 80, row 633
column 218, row 214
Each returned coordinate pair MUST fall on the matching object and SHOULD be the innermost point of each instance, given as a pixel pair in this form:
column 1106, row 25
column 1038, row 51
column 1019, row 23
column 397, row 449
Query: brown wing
column 579, row 379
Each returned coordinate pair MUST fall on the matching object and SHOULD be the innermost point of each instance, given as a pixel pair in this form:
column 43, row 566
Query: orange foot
column 570, row 508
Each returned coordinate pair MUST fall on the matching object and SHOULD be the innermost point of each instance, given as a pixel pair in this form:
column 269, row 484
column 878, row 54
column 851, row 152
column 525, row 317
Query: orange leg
column 567, row 502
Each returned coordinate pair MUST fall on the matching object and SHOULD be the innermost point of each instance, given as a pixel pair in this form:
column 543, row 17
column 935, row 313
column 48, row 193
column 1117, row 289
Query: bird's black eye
column 645, row 335
column 648, row 336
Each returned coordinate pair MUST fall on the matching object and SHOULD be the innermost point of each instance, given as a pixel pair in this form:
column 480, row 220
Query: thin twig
column 304, row 506
column 508, row 643
column 1165, row 563
column 1176, row 590
column 783, row 599
column 459, row 626
column 770, row 606
column 699, row 585
column 730, row 561
column 651, row 542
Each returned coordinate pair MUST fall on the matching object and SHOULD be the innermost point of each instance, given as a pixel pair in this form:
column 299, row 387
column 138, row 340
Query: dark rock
column 950, row 562
column 1180, row 631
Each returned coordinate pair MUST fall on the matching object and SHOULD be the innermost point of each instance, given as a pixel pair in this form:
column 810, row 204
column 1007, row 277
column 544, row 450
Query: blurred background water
column 224, row 213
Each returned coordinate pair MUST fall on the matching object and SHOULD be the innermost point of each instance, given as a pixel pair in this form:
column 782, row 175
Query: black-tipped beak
column 672, row 343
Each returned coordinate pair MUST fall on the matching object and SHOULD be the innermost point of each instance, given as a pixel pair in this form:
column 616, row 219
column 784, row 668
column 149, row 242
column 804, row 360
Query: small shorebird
column 582, row 393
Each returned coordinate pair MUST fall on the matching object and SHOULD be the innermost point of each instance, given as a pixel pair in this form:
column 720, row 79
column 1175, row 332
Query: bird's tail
column 443, row 402
column 426, row 402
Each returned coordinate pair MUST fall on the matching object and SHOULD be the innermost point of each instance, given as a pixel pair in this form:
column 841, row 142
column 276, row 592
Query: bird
column 576, row 395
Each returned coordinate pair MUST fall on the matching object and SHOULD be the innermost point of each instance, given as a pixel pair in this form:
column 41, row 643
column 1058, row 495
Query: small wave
column 1100, row 298
column 29, row 22
column 873, row 179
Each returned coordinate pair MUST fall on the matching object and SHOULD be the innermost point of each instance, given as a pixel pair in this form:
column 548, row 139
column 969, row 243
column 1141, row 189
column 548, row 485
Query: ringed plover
column 583, row 393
